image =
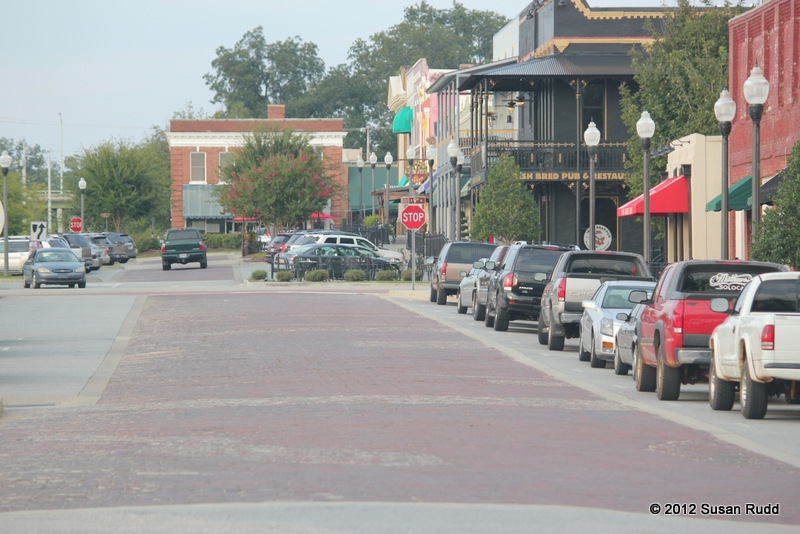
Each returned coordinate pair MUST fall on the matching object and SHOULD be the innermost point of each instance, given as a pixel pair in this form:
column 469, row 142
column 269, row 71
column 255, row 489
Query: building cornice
column 229, row 140
column 560, row 44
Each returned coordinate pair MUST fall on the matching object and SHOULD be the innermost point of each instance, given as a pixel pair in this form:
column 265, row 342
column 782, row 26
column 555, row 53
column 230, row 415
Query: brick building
column 199, row 147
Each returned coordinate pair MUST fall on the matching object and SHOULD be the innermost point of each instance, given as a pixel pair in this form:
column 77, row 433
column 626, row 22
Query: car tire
column 124, row 261
column 433, row 294
column 166, row 266
column 461, row 309
column 752, row 395
column 71, row 286
column 488, row 318
column 441, row 297
column 110, row 262
column 668, row 379
column 36, row 283
column 81, row 285
column 478, row 310
column 204, row 264
column 541, row 331
column 583, row 355
column 500, row 321
column 643, row 374
column 25, row 284
column 594, row 361
column 554, row 342
column 620, row 368
column 721, row 393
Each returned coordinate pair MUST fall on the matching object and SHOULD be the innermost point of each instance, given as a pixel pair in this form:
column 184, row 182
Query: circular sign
column 602, row 237
column 75, row 224
column 413, row 217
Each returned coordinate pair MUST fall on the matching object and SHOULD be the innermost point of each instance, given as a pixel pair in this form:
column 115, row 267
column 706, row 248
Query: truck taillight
column 768, row 337
column 677, row 318
column 508, row 281
column 562, row 290
column 164, row 247
column 443, row 274
column 202, row 246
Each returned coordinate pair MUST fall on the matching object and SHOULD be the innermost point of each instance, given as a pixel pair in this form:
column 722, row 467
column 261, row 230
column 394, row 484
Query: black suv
column 454, row 258
column 515, row 291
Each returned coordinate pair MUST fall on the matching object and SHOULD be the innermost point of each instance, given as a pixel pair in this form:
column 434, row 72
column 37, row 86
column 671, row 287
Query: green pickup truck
column 183, row 245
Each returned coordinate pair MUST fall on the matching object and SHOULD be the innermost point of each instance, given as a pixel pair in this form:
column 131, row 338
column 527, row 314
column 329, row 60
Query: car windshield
column 618, row 298
column 50, row 256
column 611, row 265
column 303, row 249
column 710, row 279
column 538, row 260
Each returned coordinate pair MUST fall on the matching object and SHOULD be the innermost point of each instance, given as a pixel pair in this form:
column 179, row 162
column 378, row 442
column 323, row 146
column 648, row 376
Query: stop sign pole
column 413, row 217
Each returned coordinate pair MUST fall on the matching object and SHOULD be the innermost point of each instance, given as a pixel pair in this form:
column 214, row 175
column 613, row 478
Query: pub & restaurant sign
column 570, row 176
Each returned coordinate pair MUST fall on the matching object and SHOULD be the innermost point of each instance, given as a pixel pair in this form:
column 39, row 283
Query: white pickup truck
column 755, row 347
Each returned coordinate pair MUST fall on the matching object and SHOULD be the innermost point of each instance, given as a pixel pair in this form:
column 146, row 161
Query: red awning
column 319, row 215
column 245, row 219
column 668, row 197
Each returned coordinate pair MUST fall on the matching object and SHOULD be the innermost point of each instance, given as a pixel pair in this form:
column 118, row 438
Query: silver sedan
column 599, row 324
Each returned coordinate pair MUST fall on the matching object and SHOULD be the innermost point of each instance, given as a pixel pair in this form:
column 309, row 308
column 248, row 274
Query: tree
column 35, row 160
column 507, row 210
column 276, row 177
column 678, row 78
column 255, row 74
column 125, row 180
column 778, row 235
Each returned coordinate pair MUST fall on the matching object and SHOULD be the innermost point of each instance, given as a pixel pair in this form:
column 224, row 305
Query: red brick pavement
column 250, row 397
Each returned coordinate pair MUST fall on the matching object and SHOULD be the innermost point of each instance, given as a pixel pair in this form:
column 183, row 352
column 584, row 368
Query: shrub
column 317, row 275
column 284, row 276
column 258, row 274
column 146, row 243
column 386, row 276
column 224, row 241
column 406, row 275
column 355, row 275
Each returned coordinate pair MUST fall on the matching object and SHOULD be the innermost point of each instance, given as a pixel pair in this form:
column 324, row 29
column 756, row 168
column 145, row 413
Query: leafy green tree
column 25, row 204
column 35, row 161
column 507, row 210
column 678, row 78
column 125, row 180
column 254, row 74
column 778, row 235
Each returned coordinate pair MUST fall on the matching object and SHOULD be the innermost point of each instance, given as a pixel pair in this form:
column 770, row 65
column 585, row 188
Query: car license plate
column 183, row 256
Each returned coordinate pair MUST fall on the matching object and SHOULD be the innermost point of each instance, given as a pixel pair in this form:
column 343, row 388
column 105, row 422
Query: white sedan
column 599, row 323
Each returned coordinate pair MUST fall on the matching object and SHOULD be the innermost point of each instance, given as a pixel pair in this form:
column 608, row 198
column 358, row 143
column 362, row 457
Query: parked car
column 468, row 285
column 338, row 259
column 515, row 291
column 104, row 246
column 626, row 342
column 55, row 266
column 263, row 237
column 19, row 247
column 277, row 245
column 481, row 294
column 454, row 258
column 754, row 347
column 600, row 322
column 677, row 323
column 119, row 249
column 130, row 246
column 84, row 249
column 53, row 242
column 347, row 238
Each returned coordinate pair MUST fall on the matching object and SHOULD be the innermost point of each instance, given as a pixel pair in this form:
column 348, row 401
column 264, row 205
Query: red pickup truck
column 677, row 321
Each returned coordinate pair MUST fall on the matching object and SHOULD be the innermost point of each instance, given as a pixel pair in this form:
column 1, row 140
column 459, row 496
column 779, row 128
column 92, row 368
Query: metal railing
column 335, row 266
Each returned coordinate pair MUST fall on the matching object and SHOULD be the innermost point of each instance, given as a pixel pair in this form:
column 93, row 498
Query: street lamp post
column 725, row 110
column 592, row 138
column 430, row 155
column 459, row 166
column 5, row 163
column 756, row 90
column 387, row 159
column 452, row 153
column 360, row 165
column 82, row 186
column 373, row 160
column 645, row 127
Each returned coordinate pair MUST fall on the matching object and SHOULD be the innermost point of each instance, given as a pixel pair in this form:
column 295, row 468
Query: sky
column 77, row 73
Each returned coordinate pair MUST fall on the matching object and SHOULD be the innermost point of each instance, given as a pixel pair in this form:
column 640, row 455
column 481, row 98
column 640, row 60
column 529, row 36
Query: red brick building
column 198, row 148
column 770, row 36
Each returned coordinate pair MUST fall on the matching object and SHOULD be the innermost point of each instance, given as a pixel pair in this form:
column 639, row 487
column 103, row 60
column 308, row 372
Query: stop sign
column 75, row 224
column 413, row 217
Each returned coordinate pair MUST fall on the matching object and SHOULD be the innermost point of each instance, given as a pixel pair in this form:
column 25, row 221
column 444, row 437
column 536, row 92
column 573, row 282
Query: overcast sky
column 79, row 72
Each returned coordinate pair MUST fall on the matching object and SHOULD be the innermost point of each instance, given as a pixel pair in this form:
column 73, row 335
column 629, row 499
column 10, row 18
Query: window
column 197, row 164
column 593, row 109
column 225, row 159
column 776, row 296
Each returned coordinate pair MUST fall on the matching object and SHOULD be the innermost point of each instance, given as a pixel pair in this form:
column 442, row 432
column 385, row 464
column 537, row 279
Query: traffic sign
column 413, row 217
column 38, row 231
column 76, row 224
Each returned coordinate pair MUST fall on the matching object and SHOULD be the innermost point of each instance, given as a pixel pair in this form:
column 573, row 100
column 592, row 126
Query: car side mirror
column 622, row 316
column 720, row 305
column 430, row 261
column 491, row 265
column 637, row 296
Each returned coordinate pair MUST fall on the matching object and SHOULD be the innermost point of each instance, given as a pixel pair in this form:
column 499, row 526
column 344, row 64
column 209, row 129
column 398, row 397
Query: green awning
column 403, row 182
column 402, row 121
column 738, row 196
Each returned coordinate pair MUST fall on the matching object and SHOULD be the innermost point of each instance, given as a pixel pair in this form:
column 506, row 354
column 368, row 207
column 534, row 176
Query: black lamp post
column 452, row 153
column 725, row 111
column 756, row 90
column 5, row 163
column 360, row 165
column 373, row 160
column 459, row 166
column 645, row 127
column 430, row 155
column 592, row 138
